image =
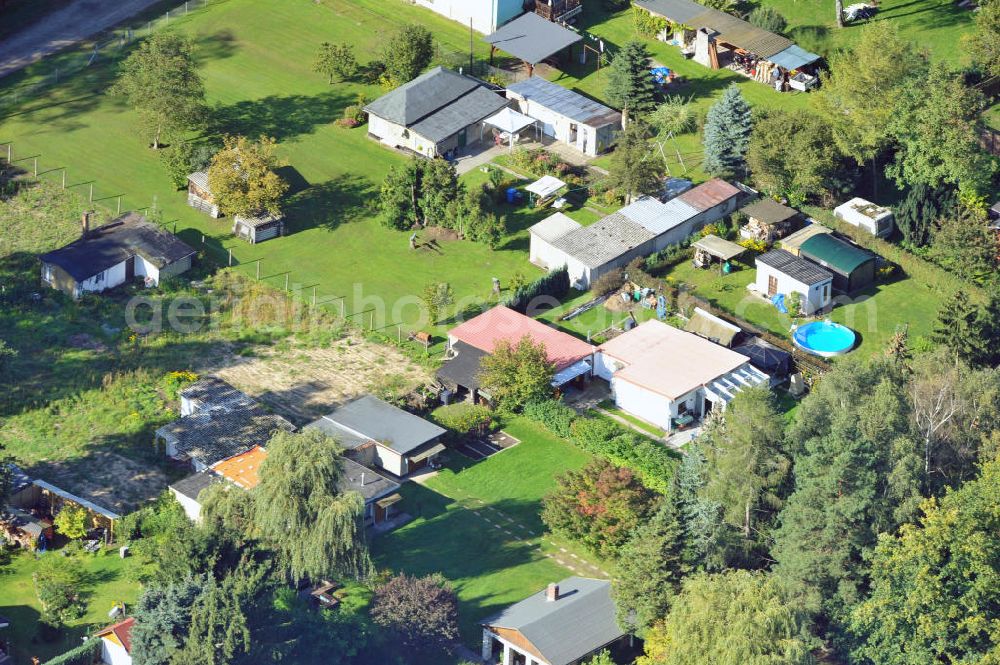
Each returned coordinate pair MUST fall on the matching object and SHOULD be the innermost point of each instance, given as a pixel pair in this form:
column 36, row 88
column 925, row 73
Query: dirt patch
column 105, row 478
column 304, row 383
column 437, row 233
column 85, row 341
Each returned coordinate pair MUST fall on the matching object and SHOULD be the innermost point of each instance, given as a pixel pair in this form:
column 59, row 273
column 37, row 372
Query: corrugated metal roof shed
column 657, row 217
column 678, row 11
column 604, row 240
column 554, row 227
column 731, row 30
column 709, row 194
column 564, row 101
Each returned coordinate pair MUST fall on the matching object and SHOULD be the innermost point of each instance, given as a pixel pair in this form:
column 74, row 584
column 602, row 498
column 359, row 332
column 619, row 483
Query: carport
column 511, row 123
column 532, row 39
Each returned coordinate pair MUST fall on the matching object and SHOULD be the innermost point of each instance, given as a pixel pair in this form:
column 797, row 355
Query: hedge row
column 554, row 285
column 653, row 463
column 81, row 655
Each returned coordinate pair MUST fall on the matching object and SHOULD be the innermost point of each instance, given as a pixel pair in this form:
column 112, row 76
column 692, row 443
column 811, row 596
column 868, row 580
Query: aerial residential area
column 499, row 332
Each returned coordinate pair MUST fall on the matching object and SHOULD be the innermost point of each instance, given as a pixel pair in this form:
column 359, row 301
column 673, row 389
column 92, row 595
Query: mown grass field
column 490, row 569
column 106, row 582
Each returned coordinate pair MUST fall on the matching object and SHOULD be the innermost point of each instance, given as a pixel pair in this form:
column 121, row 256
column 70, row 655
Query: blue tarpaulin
column 779, row 302
column 793, row 57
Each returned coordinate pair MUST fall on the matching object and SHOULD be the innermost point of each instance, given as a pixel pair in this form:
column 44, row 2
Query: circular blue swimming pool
column 824, row 338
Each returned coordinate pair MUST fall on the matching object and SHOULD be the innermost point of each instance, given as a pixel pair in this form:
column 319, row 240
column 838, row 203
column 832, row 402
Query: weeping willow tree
column 299, row 510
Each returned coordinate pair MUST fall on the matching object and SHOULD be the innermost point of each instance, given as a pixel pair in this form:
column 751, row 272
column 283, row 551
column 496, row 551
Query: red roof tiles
column 502, row 323
column 122, row 632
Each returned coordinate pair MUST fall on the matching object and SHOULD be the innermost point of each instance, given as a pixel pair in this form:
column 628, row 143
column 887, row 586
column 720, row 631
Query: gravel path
column 63, row 28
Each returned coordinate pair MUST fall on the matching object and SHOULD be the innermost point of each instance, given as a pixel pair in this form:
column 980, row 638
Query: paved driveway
column 63, row 28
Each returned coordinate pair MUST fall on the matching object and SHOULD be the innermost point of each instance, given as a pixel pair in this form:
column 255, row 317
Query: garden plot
column 306, row 383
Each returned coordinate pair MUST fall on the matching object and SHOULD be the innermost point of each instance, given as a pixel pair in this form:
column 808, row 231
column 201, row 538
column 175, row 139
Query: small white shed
column 877, row 220
column 258, row 228
column 543, row 234
column 779, row 272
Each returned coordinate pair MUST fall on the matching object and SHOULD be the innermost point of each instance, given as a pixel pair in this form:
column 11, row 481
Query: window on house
column 99, row 277
column 47, row 273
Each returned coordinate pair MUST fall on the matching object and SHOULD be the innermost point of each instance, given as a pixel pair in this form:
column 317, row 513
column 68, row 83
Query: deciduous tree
column 598, row 506
column 242, row 177
column 301, row 512
column 408, row 53
column 57, row 584
column 630, row 86
column 634, row 170
column 160, row 82
column 936, row 585
column 336, row 61
column 71, row 521
column 734, row 618
column 515, row 374
column 727, row 134
column 422, row 612
column 964, row 244
column 984, row 43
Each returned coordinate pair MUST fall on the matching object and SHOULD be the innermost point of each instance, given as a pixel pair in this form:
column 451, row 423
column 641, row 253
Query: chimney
column 552, row 593
column 85, row 224
column 362, row 478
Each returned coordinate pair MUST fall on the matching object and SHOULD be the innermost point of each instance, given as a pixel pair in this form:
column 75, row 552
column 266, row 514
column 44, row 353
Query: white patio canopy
column 545, row 186
column 510, row 122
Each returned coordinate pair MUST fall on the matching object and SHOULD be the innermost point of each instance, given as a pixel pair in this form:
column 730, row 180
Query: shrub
column 464, row 418
column 646, row 24
column 608, row 282
column 551, row 414
column 554, row 285
column 752, row 244
column 768, row 18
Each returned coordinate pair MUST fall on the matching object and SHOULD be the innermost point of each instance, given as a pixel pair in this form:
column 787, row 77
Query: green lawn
column 489, row 569
column 106, row 583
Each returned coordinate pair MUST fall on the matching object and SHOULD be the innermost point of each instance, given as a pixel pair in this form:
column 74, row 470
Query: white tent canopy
column 510, row 121
column 546, row 186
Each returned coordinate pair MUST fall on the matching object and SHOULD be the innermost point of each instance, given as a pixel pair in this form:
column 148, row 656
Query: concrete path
column 63, row 28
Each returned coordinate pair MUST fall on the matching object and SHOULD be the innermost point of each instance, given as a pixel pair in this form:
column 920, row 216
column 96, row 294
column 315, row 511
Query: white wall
column 812, row 296
column 558, row 126
column 191, row 507
column 144, row 268
column 391, row 461
column 114, row 654
column 112, row 277
column 605, row 366
column 486, row 15
column 391, row 135
column 651, row 407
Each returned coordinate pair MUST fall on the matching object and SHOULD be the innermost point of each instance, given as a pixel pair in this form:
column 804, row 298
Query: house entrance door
column 130, row 269
column 772, row 285
column 463, row 139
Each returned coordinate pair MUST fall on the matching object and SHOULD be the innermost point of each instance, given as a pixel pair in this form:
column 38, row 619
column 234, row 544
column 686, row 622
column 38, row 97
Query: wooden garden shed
column 769, row 220
column 200, row 195
column 258, row 228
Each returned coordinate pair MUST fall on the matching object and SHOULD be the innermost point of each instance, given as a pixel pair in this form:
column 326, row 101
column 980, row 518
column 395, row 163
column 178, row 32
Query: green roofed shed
column 853, row 268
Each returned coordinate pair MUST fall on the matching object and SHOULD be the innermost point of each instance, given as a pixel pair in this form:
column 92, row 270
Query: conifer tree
column 727, row 135
column 630, row 84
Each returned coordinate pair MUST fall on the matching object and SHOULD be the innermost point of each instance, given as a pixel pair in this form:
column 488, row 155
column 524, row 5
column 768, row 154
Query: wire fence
column 113, row 45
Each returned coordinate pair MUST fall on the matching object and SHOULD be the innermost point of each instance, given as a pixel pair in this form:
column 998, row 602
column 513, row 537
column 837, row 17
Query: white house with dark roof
column 567, row 116
column 782, row 273
column 484, row 15
column 561, row 625
column 121, row 251
column 382, row 436
column 435, row 113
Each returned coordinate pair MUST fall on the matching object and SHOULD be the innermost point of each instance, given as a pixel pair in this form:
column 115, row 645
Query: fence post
column 286, row 281
column 36, row 167
column 64, row 177
column 167, row 17
column 91, row 192
column 258, row 270
column 149, row 27
column 185, row 8
column 10, row 147
column 230, row 257
column 119, row 204
column 314, row 295
column 341, row 308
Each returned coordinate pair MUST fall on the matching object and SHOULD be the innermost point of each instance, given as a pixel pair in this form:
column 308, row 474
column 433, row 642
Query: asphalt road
column 63, row 28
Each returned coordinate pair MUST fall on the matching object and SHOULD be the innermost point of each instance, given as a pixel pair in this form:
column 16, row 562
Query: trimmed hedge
column 555, row 285
column 653, row 463
column 81, row 655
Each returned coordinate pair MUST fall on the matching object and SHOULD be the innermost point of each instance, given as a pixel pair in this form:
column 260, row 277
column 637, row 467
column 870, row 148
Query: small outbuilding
column 116, row 643
column 853, row 268
column 258, row 228
column 877, row 220
column 200, row 195
column 121, row 251
column 769, row 220
column 567, row 116
column 712, row 328
column 532, row 39
column 781, row 273
column 793, row 242
column 712, row 247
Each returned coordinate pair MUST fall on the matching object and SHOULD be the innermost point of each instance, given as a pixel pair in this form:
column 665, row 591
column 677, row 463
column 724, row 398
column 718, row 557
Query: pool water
column 824, row 338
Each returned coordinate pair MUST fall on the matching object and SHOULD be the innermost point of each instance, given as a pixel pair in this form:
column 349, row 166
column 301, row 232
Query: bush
column 768, row 18
column 464, row 418
column 646, row 24
column 553, row 415
column 608, row 282
column 553, row 285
